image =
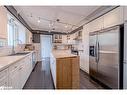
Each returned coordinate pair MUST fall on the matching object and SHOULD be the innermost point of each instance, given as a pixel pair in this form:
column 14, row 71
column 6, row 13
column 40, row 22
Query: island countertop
column 62, row 54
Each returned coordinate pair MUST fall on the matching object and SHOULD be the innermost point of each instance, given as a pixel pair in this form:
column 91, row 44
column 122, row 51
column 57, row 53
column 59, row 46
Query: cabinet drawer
column 14, row 67
column 4, row 83
column 3, row 73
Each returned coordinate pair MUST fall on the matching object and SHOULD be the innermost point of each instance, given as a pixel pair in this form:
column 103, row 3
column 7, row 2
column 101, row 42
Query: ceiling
column 54, row 18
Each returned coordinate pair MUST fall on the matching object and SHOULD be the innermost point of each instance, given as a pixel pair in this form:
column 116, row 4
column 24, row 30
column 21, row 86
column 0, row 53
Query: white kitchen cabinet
column 3, row 22
column 88, row 28
column 37, row 51
column 4, row 79
column 64, row 39
column 23, row 76
column 19, row 72
column 84, row 56
column 114, row 17
column 125, row 13
column 4, row 84
column 96, row 24
column 28, row 37
column 71, row 40
column 14, row 78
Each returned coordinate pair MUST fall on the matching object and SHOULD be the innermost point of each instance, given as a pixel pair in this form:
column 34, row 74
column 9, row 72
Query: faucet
column 13, row 47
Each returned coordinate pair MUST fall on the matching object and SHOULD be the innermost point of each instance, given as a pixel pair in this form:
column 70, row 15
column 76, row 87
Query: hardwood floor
column 41, row 78
column 87, row 83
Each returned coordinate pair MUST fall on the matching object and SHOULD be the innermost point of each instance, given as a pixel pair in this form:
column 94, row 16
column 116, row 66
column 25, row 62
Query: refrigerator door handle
column 98, row 54
column 125, row 62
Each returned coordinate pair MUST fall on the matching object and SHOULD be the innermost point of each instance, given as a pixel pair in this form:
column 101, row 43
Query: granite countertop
column 6, row 61
column 62, row 54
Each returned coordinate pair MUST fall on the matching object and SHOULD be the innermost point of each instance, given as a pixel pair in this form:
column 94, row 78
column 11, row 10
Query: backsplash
column 7, row 50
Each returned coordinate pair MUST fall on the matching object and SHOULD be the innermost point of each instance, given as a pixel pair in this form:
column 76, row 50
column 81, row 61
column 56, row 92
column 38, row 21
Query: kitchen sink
column 21, row 53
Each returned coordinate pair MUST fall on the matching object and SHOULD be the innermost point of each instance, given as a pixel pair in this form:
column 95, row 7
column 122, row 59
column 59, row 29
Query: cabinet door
column 14, row 80
column 96, row 24
column 115, row 17
column 64, row 39
column 3, row 22
column 125, row 13
column 85, row 57
column 23, row 76
column 4, row 83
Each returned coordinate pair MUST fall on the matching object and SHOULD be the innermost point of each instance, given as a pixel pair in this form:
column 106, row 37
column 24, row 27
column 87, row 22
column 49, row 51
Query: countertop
column 6, row 61
column 62, row 53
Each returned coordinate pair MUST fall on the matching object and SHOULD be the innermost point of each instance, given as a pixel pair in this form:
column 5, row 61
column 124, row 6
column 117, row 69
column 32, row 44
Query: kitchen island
column 65, row 69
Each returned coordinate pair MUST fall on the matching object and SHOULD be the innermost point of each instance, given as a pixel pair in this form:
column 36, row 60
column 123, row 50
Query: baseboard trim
column 81, row 68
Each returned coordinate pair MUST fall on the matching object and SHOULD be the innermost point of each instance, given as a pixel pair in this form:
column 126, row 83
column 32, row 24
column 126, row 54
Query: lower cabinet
column 4, row 79
column 14, row 80
column 4, row 83
column 16, row 75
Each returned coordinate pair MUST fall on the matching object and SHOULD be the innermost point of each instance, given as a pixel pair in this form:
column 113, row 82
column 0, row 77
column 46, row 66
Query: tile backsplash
column 7, row 50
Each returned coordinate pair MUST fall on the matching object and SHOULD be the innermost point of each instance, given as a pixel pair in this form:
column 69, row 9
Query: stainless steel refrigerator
column 105, row 56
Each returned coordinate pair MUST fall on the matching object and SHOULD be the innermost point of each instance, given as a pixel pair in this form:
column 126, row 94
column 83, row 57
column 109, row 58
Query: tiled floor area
column 41, row 78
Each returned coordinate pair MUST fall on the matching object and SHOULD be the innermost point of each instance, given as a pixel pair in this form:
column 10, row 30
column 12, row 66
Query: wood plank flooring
column 41, row 78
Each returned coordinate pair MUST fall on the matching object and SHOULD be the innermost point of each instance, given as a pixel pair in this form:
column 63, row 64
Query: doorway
column 46, row 46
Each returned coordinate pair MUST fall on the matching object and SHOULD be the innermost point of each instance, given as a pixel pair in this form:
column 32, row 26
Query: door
column 108, row 56
column 14, row 80
column 46, row 45
column 93, row 55
column 114, row 17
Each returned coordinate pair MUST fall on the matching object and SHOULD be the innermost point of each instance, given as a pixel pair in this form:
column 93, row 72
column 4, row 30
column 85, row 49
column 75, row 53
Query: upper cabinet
column 64, row 39
column 114, row 17
column 28, row 36
column 125, row 13
column 3, row 22
column 57, row 38
column 95, row 25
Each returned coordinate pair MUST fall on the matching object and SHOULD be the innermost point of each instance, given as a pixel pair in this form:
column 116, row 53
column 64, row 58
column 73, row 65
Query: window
column 16, row 32
column 3, row 42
